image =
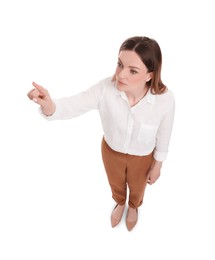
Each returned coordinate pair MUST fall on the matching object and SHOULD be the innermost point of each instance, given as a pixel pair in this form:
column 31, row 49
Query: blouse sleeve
column 164, row 133
column 76, row 105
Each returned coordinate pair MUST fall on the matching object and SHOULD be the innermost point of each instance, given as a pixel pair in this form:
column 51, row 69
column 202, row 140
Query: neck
column 135, row 96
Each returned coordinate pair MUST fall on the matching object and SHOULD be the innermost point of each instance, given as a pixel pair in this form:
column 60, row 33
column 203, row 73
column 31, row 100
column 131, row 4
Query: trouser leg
column 115, row 166
column 137, row 177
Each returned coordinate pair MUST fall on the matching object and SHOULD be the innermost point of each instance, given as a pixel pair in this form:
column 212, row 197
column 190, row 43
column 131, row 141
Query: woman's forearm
column 157, row 164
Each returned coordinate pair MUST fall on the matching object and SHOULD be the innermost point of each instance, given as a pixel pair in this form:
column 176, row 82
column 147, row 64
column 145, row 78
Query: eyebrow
column 133, row 67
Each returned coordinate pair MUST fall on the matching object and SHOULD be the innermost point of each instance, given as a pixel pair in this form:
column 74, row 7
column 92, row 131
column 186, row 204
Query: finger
column 150, row 182
column 34, row 93
column 40, row 88
column 39, row 101
column 30, row 93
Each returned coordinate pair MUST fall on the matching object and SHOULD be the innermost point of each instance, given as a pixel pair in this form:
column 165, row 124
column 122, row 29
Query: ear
column 149, row 76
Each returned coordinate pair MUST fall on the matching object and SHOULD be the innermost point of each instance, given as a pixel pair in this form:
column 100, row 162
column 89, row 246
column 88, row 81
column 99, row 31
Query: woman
column 137, row 112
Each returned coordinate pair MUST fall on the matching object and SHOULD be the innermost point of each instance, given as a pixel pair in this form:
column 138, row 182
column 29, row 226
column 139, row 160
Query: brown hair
column 150, row 53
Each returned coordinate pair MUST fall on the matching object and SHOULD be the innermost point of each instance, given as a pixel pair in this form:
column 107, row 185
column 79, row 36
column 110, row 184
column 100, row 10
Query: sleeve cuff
column 159, row 156
column 54, row 116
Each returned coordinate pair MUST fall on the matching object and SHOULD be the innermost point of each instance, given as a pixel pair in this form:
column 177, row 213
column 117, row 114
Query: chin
column 120, row 88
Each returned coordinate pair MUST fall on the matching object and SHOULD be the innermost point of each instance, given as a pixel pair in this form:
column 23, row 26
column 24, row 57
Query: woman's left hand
column 154, row 172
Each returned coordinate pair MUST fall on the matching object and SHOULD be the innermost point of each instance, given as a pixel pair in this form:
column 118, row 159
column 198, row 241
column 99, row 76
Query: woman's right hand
column 41, row 96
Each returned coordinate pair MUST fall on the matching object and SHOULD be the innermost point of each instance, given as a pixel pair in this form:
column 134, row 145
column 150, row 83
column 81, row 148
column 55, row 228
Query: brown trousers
column 126, row 170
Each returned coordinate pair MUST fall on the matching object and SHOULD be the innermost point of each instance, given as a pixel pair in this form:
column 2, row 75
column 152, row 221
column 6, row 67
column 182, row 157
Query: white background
column 55, row 201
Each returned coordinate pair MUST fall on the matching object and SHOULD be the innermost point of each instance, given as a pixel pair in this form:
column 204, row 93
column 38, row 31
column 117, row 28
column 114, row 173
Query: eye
column 133, row 71
column 119, row 64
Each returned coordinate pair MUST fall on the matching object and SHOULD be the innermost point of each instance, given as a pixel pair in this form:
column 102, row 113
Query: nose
column 122, row 74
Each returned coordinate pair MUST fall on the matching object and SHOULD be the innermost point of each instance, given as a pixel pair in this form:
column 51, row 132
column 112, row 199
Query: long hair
column 150, row 53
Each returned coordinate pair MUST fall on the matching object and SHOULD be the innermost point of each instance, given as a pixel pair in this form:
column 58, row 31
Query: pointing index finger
column 39, row 88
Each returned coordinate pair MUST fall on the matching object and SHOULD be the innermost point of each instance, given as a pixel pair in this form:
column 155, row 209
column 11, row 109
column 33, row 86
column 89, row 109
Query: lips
column 121, row 83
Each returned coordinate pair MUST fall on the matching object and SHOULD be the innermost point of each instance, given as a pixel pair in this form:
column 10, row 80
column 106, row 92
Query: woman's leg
column 115, row 166
column 137, row 177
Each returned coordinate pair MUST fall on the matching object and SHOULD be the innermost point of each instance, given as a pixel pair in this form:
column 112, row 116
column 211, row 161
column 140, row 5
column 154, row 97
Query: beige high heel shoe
column 116, row 215
column 131, row 223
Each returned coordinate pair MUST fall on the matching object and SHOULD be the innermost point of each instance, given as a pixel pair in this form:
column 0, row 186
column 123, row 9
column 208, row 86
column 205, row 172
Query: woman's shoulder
column 109, row 85
column 165, row 100
column 166, row 95
column 102, row 84
column 108, row 81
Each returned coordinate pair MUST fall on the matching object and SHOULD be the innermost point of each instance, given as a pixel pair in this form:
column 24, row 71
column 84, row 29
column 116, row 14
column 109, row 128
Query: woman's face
column 131, row 72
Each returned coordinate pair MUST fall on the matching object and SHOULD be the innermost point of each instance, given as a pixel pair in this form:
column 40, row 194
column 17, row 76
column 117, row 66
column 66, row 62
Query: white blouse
column 136, row 130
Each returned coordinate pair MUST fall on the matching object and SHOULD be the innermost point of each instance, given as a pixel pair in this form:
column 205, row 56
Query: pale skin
column 131, row 76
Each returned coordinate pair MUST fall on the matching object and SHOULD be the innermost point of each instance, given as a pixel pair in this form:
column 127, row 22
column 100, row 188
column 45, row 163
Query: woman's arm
column 162, row 143
column 154, row 172
column 67, row 107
